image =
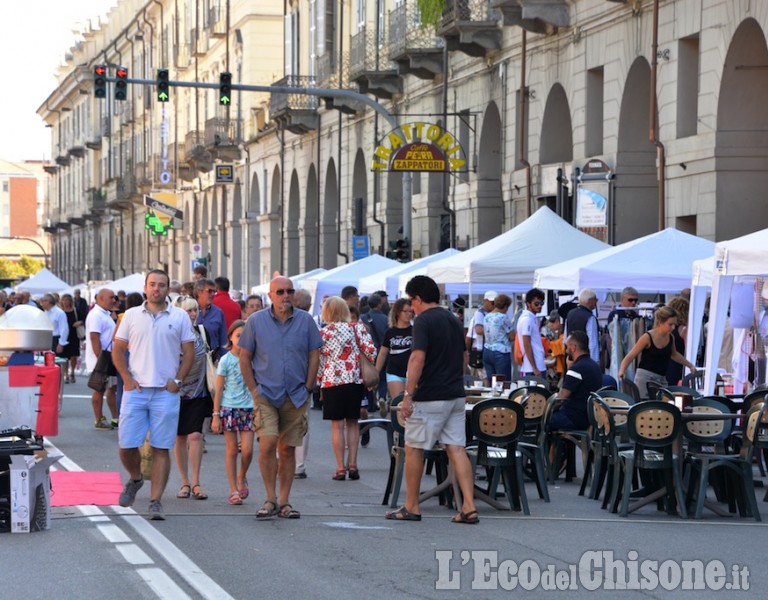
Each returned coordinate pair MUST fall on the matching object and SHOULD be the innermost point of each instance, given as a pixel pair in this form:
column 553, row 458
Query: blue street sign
column 360, row 247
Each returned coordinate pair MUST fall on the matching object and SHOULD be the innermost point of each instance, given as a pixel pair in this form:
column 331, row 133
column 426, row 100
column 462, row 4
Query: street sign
column 360, row 247
column 171, row 211
column 225, row 173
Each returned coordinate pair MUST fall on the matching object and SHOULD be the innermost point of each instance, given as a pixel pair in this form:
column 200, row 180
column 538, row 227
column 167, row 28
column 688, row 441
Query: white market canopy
column 331, row 282
column 263, row 288
column 42, row 282
column 737, row 258
column 389, row 279
column 659, row 262
column 128, row 284
column 510, row 259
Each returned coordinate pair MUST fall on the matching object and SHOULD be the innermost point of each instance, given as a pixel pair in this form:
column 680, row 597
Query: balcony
column 116, row 195
column 295, row 112
column 328, row 77
column 222, row 138
column 76, row 148
column 217, row 22
column 537, row 16
column 62, row 157
column 370, row 68
column 417, row 50
column 93, row 140
column 76, row 218
column 125, row 111
column 198, row 43
column 50, row 168
column 470, row 26
column 177, row 161
column 97, row 204
column 195, row 153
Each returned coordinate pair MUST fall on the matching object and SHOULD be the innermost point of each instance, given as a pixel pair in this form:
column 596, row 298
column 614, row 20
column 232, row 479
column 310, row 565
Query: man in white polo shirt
column 99, row 328
column 157, row 334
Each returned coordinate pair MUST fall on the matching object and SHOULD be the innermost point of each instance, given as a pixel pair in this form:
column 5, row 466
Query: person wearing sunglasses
column 624, row 313
column 528, row 335
column 279, row 358
column 582, row 318
column 211, row 317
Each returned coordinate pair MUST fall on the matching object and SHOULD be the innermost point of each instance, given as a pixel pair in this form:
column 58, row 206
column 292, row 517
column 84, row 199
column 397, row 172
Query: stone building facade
column 531, row 89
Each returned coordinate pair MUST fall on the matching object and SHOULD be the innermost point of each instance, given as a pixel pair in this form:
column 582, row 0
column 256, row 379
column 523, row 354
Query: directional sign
column 225, row 173
column 162, row 207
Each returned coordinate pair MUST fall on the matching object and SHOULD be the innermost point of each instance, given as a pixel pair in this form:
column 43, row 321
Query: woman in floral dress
column 341, row 382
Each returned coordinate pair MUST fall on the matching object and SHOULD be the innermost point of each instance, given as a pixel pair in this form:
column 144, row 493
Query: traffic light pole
column 309, row 91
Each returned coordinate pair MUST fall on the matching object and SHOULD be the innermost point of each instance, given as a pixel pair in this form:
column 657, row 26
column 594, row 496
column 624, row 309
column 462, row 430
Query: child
column 232, row 413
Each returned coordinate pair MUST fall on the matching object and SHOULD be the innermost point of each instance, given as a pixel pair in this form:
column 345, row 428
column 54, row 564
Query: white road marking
column 350, row 525
column 161, row 584
column 113, row 533
column 134, row 555
column 157, row 579
column 192, row 574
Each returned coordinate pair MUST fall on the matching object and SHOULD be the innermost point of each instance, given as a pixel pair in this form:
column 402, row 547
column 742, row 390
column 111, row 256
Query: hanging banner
column 419, row 147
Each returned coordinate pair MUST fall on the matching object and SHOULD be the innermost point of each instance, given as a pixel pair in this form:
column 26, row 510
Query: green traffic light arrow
column 224, row 100
column 162, row 96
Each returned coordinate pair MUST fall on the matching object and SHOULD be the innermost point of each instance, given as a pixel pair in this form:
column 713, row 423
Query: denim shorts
column 153, row 410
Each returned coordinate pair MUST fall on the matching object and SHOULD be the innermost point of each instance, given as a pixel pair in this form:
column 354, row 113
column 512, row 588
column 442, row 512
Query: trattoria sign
column 419, row 146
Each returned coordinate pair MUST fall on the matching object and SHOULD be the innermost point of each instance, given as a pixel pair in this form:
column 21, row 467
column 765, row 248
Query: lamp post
column 34, row 241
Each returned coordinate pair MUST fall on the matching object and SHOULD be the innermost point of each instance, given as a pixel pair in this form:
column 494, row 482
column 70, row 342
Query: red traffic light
column 121, row 72
column 100, row 70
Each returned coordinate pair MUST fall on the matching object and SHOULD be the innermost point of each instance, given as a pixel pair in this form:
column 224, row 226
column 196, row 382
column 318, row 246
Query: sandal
column 234, row 498
column 184, row 492
column 354, row 474
column 340, row 475
column 243, row 489
column 288, row 512
column 266, row 511
column 470, row 518
column 198, row 495
column 401, row 514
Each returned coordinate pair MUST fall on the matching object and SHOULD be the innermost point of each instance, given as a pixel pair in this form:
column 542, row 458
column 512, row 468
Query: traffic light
column 403, row 250
column 163, row 88
column 121, row 85
column 392, row 252
column 225, row 88
column 100, row 81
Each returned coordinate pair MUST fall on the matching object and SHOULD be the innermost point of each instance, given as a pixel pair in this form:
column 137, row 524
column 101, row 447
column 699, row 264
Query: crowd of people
column 187, row 359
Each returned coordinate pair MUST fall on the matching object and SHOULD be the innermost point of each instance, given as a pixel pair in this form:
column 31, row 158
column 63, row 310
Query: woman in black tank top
column 656, row 348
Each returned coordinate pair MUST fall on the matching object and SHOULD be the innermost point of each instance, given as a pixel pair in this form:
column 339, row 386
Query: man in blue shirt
column 279, row 358
column 211, row 317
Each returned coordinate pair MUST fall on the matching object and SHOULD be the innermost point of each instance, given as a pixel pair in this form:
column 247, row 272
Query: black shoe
column 302, row 475
column 365, row 439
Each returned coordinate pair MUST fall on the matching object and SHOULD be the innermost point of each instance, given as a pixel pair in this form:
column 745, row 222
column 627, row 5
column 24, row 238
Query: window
column 687, row 86
column 594, row 134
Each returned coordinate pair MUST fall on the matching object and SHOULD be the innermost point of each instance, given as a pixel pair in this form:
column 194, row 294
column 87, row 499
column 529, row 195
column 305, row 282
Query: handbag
column 80, row 329
column 368, row 371
column 210, row 367
column 476, row 358
column 101, row 373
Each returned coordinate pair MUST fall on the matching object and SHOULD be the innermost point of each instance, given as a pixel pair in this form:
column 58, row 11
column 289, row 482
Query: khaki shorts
column 287, row 423
column 440, row 420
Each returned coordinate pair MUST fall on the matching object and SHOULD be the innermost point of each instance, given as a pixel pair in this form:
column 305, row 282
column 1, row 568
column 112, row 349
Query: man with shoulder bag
column 99, row 328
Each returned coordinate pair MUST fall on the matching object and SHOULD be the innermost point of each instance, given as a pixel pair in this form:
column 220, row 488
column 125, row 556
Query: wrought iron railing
column 281, row 101
column 221, row 131
column 467, row 10
column 366, row 54
column 407, row 33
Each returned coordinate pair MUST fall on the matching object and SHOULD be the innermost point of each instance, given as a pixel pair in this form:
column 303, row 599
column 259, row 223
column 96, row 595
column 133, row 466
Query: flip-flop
column 243, row 489
column 267, row 511
column 235, row 499
column 401, row 514
column 288, row 512
column 198, row 495
column 470, row 518
column 184, row 492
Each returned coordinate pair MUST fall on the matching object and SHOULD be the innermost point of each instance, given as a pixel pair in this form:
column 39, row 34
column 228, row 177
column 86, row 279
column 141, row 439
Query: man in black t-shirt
column 434, row 401
column 582, row 377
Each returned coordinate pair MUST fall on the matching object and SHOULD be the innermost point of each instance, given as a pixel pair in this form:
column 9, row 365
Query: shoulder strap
column 204, row 335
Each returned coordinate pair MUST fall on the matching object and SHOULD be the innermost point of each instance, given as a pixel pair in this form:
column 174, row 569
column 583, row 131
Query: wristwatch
column 177, row 382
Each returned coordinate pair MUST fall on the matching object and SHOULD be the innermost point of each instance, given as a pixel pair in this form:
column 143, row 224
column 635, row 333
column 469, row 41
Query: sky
column 34, row 36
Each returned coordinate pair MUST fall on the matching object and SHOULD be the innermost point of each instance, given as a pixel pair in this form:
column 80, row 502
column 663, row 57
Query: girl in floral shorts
column 232, row 413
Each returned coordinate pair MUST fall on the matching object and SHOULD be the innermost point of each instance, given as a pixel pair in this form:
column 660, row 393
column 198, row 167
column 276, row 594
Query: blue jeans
column 497, row 363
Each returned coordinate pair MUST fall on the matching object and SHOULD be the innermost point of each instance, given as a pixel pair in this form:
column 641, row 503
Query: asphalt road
column 342, row 547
